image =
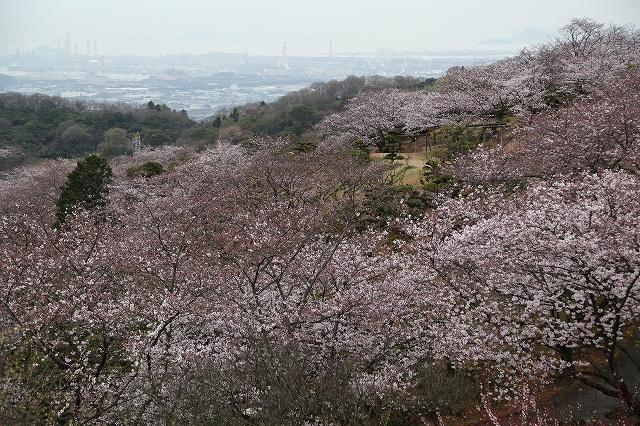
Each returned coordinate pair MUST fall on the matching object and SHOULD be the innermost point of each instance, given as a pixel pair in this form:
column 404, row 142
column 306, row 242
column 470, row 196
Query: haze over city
column 158, row 27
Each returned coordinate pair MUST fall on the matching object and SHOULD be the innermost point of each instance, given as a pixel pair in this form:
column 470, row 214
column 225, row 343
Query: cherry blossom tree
column 370, row 116
column 225, row 259
column 584, row 55
column 545, row 282
column 492, row 91
column 244, row 284
column 593, row 134
column 62, row 326
column 545, row 267
column 288, row 272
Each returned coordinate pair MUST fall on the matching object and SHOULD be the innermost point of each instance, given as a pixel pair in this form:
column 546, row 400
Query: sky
column 310, row 27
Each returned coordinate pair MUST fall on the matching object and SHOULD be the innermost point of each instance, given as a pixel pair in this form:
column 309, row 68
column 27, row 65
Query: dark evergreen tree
column 235, row 114
column 87, row 187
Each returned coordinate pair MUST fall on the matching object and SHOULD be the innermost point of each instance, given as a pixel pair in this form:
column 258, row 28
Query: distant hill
column 529, row 36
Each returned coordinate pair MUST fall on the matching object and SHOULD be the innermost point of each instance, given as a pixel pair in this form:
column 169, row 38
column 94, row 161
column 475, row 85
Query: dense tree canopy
column 50, row 127
column 274, row 281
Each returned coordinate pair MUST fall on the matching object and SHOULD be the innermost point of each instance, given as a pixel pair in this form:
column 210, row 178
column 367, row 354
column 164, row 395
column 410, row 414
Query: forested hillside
column 40, row 126
column 51, row 127
column 290, row 280
column 295, row 114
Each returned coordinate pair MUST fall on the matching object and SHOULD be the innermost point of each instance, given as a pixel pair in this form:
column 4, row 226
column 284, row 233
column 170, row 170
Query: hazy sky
column 156, row 27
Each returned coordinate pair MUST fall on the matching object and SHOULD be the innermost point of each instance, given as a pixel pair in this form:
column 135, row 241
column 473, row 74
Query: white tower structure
column 136, row 143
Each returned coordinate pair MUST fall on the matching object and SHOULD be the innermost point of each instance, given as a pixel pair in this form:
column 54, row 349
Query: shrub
column 430, row 186
column 147, row 170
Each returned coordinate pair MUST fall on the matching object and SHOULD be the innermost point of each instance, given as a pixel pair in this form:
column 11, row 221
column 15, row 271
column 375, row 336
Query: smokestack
column 284, row 53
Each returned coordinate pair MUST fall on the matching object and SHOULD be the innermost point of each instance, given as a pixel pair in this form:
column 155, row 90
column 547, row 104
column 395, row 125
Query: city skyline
column 160, row 27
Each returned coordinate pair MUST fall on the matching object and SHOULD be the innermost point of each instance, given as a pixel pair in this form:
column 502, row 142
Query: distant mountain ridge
column 529, row 36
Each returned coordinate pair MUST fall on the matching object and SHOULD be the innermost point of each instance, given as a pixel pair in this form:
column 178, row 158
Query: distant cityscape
column 205, row 84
